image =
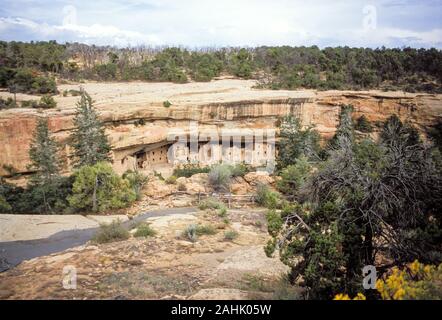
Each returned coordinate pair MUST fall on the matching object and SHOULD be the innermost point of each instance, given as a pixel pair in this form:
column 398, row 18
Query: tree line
column 32, row 67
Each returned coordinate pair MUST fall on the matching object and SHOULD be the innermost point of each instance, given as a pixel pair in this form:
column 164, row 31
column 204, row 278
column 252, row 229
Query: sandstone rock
column 157, row 188
column 5, row 293
column 194, row 188
column 200, row 178
column 236, row 103
column 220, row 294
column 255, row 178
column 181, row 180
column 179, row 203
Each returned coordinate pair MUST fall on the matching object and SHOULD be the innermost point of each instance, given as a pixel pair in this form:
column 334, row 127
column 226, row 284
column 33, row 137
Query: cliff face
column 135, row 116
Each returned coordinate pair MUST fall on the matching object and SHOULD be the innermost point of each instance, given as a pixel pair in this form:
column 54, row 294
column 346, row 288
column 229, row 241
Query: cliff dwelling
column 214, row 107
column 163, row 157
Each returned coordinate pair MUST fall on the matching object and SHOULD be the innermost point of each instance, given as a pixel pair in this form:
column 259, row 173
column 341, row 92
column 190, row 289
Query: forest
column 34, row 67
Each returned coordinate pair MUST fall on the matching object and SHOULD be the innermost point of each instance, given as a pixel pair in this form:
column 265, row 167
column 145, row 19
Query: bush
column 190, row 233
column 30, row 104
column 167, row 104
column 136, row 180
column 363, row 125
column 27, row 81
column 219, row 177
column 266, row 198
column 274, row 222
column 99, row 188
column 171, row 180
column 293, row 177
column 8, row 103
column 211, row 203
column 4, row 205
column 239, row 170
column 205, row 230
column 222, row 212
column 189, row 170
column 231, row 235
column 47, row 102
column 415, row 282
column 111, row 232
column 144, row 230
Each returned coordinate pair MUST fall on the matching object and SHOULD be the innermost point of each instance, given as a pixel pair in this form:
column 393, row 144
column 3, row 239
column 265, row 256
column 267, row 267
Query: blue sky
column 202, row 23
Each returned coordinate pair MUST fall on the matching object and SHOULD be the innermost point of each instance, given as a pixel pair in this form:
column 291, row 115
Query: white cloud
column 227, row 22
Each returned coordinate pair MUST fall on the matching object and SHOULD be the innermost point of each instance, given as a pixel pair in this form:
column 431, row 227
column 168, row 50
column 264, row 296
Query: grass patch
column 211, row 203
column 222, row 212
column 205, row 230
column 144, row 230
column 230, row 235
column 111, row 232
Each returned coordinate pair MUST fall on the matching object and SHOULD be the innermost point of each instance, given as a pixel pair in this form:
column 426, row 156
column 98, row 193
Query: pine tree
column 44, row 155
column 89, row 139
column 46, row 163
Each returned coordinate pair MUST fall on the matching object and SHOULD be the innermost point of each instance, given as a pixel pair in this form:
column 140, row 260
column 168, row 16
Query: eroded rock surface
column 166, row 266
column 217, row 105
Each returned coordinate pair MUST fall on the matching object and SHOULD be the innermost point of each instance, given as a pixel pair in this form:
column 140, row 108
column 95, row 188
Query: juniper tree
column 89, row 139
column 368, row 200
column 45, row 161
column 296, row 142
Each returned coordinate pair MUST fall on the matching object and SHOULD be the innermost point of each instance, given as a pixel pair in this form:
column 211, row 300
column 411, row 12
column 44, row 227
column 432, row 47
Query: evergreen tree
column 89, row 139
column 43, row 155
column 45, row 161
column 296, row 142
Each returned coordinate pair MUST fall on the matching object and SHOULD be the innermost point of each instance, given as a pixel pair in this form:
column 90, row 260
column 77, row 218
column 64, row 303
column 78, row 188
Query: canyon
column 143, row 119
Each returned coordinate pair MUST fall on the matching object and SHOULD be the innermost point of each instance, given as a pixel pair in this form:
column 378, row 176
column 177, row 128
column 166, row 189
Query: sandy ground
column 116, row 95
column 165, row 266
column 14, row 227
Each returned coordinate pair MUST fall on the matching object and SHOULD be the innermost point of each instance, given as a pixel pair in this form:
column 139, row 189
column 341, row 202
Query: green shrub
column 205, row 230
column 30, row 104
column 4, row 205
column 8, row 103
column 266, row 198
column 167, row 104
column 274, row 222
column 211, row 203
column 99, row 188
column 74, row 92
column 293, row 177
column 222, row 212
column 189, row 170
column 231, row 235
column 171, row 180
column 363, row 125
column 47, row 102
column 190, row 233
column 239, row 170
column 136, row 180
column 111, row 232
column 219, row 177
column 144, row 230
column 270, row 247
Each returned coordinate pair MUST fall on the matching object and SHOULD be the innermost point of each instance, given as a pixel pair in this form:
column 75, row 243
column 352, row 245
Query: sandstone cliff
column 135, row 116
